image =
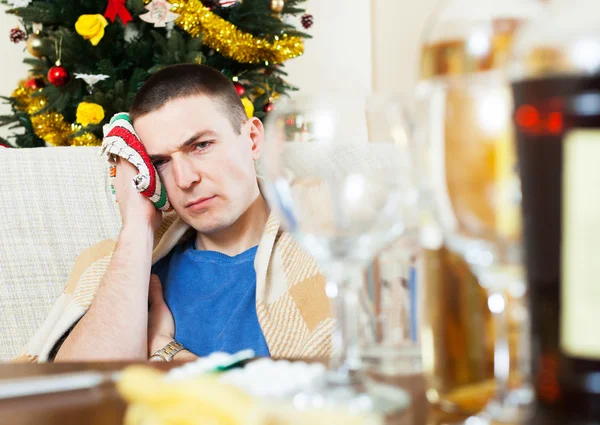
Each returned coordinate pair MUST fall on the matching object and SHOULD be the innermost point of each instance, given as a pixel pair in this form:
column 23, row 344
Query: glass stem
column 344, row 292
column 497, row 303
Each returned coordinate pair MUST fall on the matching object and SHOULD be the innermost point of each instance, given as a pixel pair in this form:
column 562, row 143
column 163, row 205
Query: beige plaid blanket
column 293, row 309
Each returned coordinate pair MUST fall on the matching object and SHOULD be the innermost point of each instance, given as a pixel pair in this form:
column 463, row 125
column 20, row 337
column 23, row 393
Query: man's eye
column 202, row 145
column 159, row 163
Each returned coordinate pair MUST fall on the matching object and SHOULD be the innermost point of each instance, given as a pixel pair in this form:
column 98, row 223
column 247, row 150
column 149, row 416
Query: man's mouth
column 200, row 203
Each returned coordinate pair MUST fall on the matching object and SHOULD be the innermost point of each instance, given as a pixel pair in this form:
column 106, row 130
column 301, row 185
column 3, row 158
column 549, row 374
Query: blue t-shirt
column 213, row 299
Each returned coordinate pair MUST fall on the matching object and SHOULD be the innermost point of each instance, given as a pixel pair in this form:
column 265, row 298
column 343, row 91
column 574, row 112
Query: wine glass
column 337, row 171
column 475, row 189
column 464, row 114
column 390, row 333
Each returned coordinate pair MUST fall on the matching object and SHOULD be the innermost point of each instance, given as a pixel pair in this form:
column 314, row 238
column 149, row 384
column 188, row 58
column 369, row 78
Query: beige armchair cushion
column 54, row 203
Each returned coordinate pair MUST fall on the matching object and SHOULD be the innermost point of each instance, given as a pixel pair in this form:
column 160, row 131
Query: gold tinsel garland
column 227, row 39
column 51, row 126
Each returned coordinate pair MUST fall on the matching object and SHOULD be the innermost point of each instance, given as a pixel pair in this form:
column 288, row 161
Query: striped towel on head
column 120, row 140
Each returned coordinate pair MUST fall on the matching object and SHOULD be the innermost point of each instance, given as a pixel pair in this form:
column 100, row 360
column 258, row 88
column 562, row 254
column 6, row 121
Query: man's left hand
column 161, row 325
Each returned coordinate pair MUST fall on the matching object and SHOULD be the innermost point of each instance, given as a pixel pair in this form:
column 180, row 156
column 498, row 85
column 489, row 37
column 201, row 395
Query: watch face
column 156, row 358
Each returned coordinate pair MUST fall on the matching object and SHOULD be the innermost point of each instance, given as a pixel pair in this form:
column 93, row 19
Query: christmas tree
column 89, row 57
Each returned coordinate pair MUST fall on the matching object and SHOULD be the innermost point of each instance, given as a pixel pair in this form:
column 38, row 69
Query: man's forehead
column 177, row 122
column 183, row 107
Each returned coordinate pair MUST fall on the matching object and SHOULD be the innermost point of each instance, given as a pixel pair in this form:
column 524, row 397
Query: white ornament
column 227, row 3
column 170, row 26
column 131, row 33
column 19, row 3
column 159, row 13
column 91, row 79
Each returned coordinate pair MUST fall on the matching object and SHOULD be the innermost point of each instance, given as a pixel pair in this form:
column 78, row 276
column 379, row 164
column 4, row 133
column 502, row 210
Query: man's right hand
column 116, row 325
column 135, row 208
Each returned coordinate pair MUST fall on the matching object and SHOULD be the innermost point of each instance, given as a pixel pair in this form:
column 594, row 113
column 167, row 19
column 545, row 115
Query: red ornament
column 35, row 83
column 239, row 88
column 307, row 20
column 117, row 8
column 58, row 75
column 17, row 35
column 269, row 107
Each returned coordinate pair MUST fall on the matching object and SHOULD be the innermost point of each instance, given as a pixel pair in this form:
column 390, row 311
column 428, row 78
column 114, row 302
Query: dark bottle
column 555, row 76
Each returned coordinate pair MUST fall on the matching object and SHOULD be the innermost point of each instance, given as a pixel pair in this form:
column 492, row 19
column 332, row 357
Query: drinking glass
column 476, row 193
column 390, row 333
column 464, row 116
column 337, row 170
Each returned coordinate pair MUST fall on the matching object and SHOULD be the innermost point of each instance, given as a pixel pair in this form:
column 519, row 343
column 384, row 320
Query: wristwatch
column 167, row 353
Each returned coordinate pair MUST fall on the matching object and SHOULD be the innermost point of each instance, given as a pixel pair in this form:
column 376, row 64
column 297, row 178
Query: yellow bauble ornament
column 89, row 113
column 34, row 44
column 248, row 106
column 91, row 27
column 277, row 5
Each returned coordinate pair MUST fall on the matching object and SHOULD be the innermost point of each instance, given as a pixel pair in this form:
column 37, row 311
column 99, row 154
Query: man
column 231, row 278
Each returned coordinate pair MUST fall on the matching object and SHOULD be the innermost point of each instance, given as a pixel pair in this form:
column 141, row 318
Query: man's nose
column 185, row 173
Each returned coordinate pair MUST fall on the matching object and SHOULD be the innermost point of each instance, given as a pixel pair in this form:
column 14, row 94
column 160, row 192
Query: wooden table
column 102, row 406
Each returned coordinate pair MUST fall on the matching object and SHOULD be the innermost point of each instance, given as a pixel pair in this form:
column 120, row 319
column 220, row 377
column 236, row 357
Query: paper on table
column 36, row 385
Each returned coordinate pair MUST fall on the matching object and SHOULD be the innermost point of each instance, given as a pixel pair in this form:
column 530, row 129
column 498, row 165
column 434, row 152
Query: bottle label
column 580, row 256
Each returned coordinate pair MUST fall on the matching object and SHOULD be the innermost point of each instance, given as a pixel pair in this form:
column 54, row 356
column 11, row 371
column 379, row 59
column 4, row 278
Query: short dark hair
column 187, row 80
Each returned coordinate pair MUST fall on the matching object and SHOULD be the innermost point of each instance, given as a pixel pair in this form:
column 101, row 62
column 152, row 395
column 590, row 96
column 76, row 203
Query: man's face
column 206, row 167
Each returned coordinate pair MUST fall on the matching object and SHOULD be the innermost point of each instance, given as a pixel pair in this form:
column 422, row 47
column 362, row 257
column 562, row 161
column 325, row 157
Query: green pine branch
column 177, row 48
column 8, row 119
column 292, row 7
column 92, row 128
column 136, row 81
column 26, row 137
column 257, row 18
column 38, row 11
column 36, row 66
column 136, row 7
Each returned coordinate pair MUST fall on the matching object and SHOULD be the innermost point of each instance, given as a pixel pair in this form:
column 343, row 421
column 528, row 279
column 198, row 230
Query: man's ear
column 256, row 133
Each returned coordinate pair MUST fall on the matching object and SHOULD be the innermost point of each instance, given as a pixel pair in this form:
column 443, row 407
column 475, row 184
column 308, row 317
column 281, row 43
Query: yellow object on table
column 205, row 400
